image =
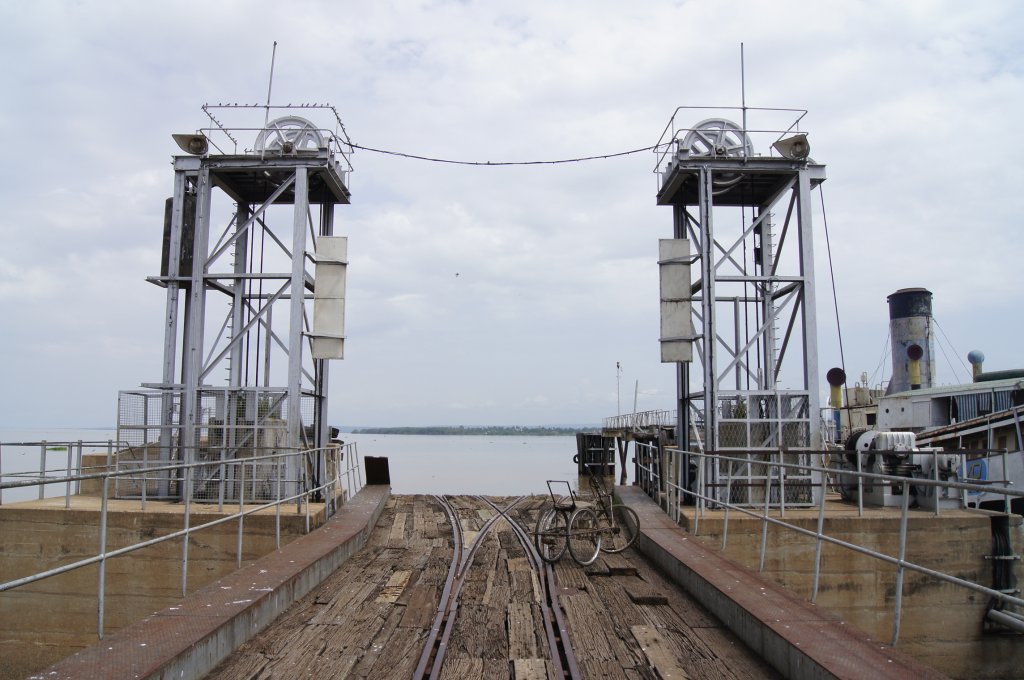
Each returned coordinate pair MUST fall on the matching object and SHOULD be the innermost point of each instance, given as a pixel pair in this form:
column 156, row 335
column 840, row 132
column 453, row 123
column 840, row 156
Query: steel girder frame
column 736, row 394
column 247, row 329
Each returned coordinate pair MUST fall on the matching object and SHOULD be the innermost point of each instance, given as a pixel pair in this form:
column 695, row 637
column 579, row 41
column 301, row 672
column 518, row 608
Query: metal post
column 860, row 484
column 1007, row 481
column 241, row 517
column 709, row 331
column 297, row 309
column 899, row 568
column 817, row 547
column 782, row 485
column 187, row 496
column 728, row 503
column 1, row 473
column 78, row 483
column 277, row 505
column 42, row 469
column 102, row 587
column 171, row 325
column 808, row 317
column 764, row 521
column 145, row 474
column 67, row 476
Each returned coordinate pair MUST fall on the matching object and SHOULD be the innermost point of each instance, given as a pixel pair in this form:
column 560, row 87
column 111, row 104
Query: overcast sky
column 914, row 107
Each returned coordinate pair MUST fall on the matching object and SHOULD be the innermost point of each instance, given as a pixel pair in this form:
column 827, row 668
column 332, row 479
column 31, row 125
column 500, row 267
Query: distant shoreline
column 496, row 431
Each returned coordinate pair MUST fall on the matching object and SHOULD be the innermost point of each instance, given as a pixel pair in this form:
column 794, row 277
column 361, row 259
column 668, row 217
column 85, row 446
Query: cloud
column 912, row 108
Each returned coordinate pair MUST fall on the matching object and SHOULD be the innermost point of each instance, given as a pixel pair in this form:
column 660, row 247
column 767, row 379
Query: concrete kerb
column 189, row 639
column 798, row 639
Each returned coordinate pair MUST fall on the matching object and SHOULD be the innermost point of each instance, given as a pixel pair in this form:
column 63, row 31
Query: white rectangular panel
column 676, row 321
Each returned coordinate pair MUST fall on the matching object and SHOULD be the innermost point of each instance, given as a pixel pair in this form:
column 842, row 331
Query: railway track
column 433, row 656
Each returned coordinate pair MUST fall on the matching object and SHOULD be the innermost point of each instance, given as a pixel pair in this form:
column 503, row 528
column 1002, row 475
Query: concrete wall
column 941, row 623
column 45, row 621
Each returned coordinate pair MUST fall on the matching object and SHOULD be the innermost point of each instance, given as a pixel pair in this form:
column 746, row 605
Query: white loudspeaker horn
column 193, row 144
column 796, row 147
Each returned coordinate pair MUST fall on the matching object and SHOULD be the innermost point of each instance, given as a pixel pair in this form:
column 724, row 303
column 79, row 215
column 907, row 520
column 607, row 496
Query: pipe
column 1007, row 619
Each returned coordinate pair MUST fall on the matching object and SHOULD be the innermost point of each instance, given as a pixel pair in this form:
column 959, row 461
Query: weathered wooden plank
column 619, row 565
column 593, row 668
column 392, row 590
column 397, row 534
column 421, row 606
column 659, row 653
column 377, row 648
column 532, row 669
column 461, row 669
column 522, row 631
column 399, row 656
column 587, row 627
column 642, row 593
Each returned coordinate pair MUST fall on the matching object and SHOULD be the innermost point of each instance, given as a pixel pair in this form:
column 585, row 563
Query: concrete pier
column 669, row 608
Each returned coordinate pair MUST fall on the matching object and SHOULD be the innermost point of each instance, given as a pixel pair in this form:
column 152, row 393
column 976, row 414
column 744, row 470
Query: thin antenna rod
column 743, row 95
column 269, row 85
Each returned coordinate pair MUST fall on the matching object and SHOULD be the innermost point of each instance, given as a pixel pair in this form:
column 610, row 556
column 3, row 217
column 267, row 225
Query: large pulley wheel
column 289, row 134
column 719, row 138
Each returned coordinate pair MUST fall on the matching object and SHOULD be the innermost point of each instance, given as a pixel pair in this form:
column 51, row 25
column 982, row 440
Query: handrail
column 347, row 476
column 665, row 144
column 653, row 474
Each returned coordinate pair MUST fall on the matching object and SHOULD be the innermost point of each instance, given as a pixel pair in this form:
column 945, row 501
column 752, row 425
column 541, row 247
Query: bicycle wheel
column 584, row 536
column 622, row 531
column 550, row 534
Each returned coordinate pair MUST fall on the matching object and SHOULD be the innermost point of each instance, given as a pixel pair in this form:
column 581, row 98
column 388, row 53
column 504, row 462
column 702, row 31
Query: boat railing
column 313, row 480
column 660, row 474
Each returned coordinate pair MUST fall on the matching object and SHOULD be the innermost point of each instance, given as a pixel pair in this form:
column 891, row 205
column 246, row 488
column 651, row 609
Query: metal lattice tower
column 248, row 329
column 747, row 220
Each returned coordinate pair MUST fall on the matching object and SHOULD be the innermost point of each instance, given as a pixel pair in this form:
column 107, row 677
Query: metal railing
column 772, row 125
column 338, row 476
column 657, row 472
column 640, row 420
column 245, row 119
column 69, row 452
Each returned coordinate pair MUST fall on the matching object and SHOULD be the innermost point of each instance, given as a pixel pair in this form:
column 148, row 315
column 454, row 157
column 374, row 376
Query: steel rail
column 559, row 643
column 447, row 609
column 430, row 648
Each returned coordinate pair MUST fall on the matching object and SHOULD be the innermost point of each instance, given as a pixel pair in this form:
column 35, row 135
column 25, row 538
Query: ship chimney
column 910, row 325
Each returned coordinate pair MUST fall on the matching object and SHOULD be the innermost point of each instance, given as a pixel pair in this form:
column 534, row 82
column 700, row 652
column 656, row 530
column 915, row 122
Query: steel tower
column 745, row 214
column 254, row 280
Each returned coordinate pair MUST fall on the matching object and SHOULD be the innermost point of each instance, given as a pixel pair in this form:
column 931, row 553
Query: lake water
column 470, row 464
column 430, row 464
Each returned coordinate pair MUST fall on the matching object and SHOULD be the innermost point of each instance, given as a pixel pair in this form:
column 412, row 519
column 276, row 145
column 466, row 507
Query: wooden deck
column 373, row 617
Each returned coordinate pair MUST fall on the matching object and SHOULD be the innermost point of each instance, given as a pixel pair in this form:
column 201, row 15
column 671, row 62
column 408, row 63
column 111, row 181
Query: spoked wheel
column 622, row 531
column 719, row 138
column 550, row 534
column 584, row 536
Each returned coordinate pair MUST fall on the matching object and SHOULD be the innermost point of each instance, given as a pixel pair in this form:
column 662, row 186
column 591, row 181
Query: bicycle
column 566, row 524
column 619, row 524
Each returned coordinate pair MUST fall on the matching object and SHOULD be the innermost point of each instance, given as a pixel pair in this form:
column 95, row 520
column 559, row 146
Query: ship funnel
column 913, row 348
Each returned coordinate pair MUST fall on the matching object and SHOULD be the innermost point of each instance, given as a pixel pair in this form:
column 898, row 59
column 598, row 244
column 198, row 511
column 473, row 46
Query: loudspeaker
column 193, row 144
column 796, row 147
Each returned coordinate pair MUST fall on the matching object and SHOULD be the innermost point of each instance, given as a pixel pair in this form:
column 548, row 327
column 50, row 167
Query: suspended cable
column 503, row 163
column 832, row 275
column 956, row 352
column 881, row 362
